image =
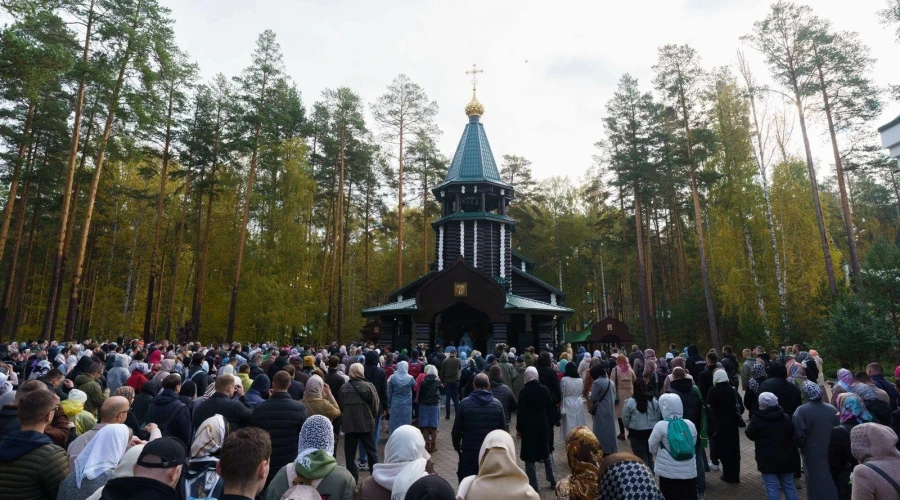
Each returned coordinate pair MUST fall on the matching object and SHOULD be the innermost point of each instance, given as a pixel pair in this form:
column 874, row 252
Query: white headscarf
column 402, row 371
column 720, row 376
column 316, row 434
column 531, row 373
column 431, row 370
column 78, row 395
column 404, row 461
column 102, row 453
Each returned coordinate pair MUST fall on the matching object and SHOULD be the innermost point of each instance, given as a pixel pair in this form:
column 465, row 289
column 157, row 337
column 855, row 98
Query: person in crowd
column 695, row 363
column 199, row 478
column 583, row 455
column 845, row 382
column 244, row 463
column 405, row 462
column 449, row 375
column 153, row 476
column 282, row 418
column 497, row 475
column 94, row 466
column 56, row 381
column 466, row 377
column 165, row 369
column 677, row 362
column 876, row 373
column 789, row 397
column 623, row 379
column 548, row 377
column 751, row 396
column 640, row 413
column 677, row 478
column 431, row 487
column 694, row 411
column 877, row 405
column 875, row 448
column 119, row 374
column 378, row 377
column 335, row 379
column 502, row 393
column 113, row 411
column 534, row 427
column 297, row 388
column 478, row 415
column 124, row 469
column 138, row 429
column 429, row 399
column 259, row 390
column 87, row 383
column 400, row 396
column 508, row 370
column 31, row 466
column 236, row 410
column 776, row 456
column 746, row 368
column 624, row 477
column 314, row 465
column 726, row 410
column 243, row 375
column 813, row 423
column 572, row 405
column 359, row 405
column 168, row 412
column 853, row 412
column 198, row 373
column 602, row 408
column 318, row 399
column 144, row 400
column 137, row 379
column 187, row 394
column 61, row 431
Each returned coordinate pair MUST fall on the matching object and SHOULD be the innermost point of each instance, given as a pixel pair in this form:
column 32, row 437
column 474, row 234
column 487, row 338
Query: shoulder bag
column 594, row 404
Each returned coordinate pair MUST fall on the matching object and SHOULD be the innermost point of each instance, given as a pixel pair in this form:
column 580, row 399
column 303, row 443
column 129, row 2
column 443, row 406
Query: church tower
column 474, row 199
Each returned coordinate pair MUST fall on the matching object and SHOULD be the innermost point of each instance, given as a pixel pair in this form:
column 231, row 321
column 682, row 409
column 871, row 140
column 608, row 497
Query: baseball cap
column 163, row 453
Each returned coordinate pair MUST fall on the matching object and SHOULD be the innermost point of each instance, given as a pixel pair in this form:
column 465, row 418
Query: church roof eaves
column 473, row 215
column 526, row 304
column 408, row 305
column 539, row 282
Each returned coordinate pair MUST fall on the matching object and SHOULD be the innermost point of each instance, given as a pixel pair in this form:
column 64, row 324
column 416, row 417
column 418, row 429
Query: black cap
column 163, row 453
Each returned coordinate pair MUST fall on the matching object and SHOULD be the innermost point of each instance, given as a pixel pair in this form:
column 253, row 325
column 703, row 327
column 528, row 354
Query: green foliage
column 854, row 332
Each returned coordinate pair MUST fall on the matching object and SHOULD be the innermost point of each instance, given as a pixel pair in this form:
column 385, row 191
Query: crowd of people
column 117, row 420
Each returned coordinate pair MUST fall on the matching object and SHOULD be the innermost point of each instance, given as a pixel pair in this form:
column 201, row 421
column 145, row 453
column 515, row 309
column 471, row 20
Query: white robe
column 572, row 404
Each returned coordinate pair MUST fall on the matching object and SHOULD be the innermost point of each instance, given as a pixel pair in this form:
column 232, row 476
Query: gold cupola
column 474, row 108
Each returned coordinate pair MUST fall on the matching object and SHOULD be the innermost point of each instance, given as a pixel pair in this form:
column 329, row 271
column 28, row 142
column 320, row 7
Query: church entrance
column 464, row 325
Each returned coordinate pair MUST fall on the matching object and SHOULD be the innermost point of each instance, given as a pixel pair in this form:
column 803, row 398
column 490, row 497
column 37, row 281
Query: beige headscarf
column 314, row 387
column 209, row 437
column 498, row 475
column 357, row 370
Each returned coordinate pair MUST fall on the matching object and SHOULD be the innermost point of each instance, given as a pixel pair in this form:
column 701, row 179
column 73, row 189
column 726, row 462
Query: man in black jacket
column 198, row 375
column 235, row 411
column 693, row 408
column 335, row 381
column 787, row 393
column 705, row 379
column 168, row 412
column 282, row 418
column 478, row 415
column 156, row 473
column 375, row 376
column 694, row 362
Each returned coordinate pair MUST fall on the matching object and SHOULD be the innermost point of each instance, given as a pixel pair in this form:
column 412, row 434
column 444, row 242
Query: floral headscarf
column 851, row 406
column 846, row 379
column 811, row 391
column 622, row 364
column 757, row 375
column 126, row 392
column 584, row 454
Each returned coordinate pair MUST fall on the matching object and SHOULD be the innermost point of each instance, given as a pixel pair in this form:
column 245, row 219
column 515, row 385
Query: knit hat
column 309, row 361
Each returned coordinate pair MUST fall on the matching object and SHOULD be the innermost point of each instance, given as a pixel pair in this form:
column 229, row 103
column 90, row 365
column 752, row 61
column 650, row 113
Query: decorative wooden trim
column 462, row 238
column 441, row 248
column 502, row 251
column 475, row 245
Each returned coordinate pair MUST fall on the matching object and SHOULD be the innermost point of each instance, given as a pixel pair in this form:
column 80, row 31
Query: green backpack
column 681, row 443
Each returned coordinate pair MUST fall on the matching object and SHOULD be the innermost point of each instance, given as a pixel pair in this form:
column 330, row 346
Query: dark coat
column 695, row 363
column 141, row 405
column 880, row 410
column 787, row 393
column 296, row 390
column 466, row 377
column 430, row 391
column 705, row 381
column 478, row 415
column 161, row 411
column 535, row 421
column 690, row 401
column 504, row 394
column 137, row 488
column 201, row 380
column 282, row 418
column 723, row 423
column 880, row 382
column 234, row 411
column 359, row 405
column 9, row 420
column 840, row 459
column 773, row 433
column 375, row 376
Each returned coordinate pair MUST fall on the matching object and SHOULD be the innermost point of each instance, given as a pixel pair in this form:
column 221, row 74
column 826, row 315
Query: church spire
column 474, row 108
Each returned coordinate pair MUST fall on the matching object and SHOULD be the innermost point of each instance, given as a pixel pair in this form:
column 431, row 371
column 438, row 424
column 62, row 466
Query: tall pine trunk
column 14, row 182
column 400, row 209
column 642, row 270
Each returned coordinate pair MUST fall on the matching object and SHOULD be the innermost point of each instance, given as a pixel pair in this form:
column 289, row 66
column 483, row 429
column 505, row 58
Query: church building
column 480, row 292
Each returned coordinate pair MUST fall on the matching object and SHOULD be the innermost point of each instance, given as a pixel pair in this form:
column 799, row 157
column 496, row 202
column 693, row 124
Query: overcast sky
column 549, row 67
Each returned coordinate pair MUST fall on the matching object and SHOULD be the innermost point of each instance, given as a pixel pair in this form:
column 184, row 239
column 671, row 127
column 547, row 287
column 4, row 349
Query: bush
column 854, row 333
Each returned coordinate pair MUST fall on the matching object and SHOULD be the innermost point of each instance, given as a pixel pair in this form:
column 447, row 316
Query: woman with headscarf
column 124, row 470
column 73, row 407
column 751, row 396
column 677, row 362
column 199, row 478
column 498, row 475
column 572, row 408
column 640, row 414
column 318, row 399
column 429, row 399
column 534, row 427
column 638, row 363
column 405, row 462
column 726, row 410
column 165, row 369
column 603, row 408
column 840, row 457
column 880, row 410
column 584, row 364
column 623, row 377
column 776, row 455
column 137, row 379
column 624, row 477
column 259, row 391
column 400, row 396
column 813, row 423
column 95, row 464
column 584, row 455
column 845, row 382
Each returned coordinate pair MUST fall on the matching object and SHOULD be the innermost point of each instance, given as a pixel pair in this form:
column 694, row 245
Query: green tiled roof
column 575, row 337
column 518, row 302
column 473, row 160
column 407, row 305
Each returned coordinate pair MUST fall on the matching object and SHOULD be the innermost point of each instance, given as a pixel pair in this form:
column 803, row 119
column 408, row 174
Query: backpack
column 164, row 427
column 681, row 443
column 298, row 489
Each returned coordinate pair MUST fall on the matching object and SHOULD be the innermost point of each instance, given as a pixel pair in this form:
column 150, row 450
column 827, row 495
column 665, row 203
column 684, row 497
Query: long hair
column 640, row 395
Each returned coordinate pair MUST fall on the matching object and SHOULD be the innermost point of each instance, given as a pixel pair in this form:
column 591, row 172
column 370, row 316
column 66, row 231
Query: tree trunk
column 232, row 309
column 339, row 250
column 95, row 183
column 14, row 182
column 761, row 304
column 425, row 215
column 175, row 264
column 17, row 244
column 160, row 205
column 56, row 276
column 400, row 211
column 839, row 173
column 18, row 301
column 366, row 295
column 642, row 270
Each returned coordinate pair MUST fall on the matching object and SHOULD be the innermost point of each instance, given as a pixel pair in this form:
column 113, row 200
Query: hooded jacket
column 691, row 404
column 119, row 374
column 161, row 412
column 31, row 466
column 504, row 394
column 695, row 363
column 787, row 393
column 666, row 466
column 375, row 375
column 478, row 415
column 81, row 367
column 95, row 396
column 773, row 434
column 876, row 445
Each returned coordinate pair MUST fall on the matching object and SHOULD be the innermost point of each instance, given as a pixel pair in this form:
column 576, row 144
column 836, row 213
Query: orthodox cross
column 474, row 72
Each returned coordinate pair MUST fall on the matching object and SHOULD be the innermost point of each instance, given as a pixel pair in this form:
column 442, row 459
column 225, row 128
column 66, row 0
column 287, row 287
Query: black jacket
column 880, row 410
column 690, row 401
column 430, row 391
column 887, row 387
column 137, row 488
column 201, row 380
column 787, row 393
column 695, row 363
column 478, row 415
column 234, row 411
column 375, row 376
column 773, row 433
column 9, row 420
column 840, row 458
column 282, row 418
column 161, row 412
column 705, row 381
column 535, row 421
column 505, row 396
column 142, row 402
column 466, row 377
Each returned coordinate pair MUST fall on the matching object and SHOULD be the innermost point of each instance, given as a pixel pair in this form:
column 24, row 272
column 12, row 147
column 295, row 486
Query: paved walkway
column 445, row 461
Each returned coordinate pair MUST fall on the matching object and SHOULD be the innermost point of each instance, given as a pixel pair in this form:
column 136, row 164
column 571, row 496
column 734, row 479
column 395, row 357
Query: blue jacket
column 478, row 415
column 161, row 411
column 400, row 392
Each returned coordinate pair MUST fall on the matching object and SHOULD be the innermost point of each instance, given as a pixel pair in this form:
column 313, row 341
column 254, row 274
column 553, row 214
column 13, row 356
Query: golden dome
column 474, row 108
